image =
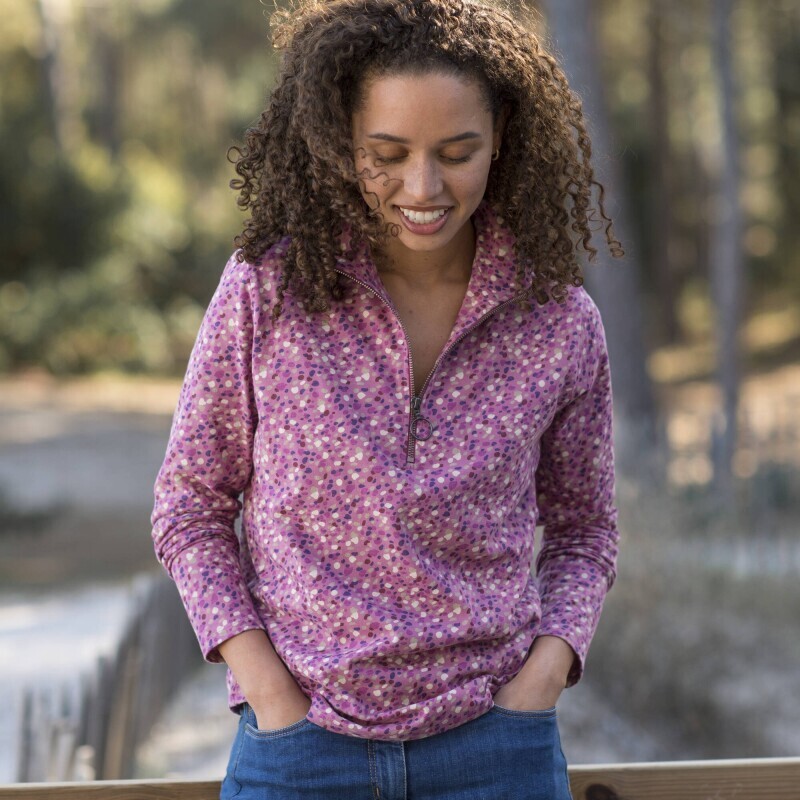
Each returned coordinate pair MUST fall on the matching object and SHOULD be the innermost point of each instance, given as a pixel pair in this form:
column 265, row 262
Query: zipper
column 419, row 427
column 431, row 428
column 415, row 418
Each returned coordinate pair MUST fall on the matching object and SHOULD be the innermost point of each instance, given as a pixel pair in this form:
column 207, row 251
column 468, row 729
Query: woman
column 401, row 372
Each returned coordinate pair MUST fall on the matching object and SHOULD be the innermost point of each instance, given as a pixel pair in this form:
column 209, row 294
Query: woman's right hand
column 270, row 689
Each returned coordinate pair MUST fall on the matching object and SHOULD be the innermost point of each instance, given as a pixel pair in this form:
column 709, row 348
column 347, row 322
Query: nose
column 423, row 179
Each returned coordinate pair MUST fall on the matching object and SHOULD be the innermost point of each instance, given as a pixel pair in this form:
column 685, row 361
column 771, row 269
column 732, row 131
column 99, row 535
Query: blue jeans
column 501, row 755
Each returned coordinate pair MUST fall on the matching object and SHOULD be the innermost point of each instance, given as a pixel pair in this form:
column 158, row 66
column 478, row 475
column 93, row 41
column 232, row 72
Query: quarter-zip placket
column 415, row 418
column 419, row 427
column 411, row 454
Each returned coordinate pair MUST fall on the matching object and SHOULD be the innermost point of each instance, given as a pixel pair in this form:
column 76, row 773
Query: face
column 427, row 140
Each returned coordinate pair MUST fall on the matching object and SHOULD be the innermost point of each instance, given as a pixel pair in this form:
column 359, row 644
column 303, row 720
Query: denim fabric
column 501, row 755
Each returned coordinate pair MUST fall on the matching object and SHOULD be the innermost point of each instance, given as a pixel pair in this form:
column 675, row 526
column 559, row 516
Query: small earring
column 496, row 154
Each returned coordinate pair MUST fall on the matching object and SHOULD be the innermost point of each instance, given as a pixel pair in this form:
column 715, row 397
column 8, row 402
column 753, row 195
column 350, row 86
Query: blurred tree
column 660, row 221
column 58, row 62
column 726, row 257
column 784, row 38
column 115, row 212
column 615, row 287
column 104, row 113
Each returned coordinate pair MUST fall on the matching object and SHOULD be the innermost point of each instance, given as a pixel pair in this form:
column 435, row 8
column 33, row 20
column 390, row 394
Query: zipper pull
column 421, row 428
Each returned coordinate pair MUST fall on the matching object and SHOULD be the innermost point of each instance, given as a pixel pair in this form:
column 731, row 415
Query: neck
column 424, row 270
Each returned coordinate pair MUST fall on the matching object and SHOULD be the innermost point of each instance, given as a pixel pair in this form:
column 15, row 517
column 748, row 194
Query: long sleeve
column 208, row 464
column 576, row 565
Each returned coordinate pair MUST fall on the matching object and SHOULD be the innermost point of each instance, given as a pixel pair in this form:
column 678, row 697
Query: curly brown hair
column 296, row 166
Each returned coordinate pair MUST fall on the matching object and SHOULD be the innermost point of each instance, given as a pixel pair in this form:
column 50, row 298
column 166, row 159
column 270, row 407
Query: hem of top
column 481, row 712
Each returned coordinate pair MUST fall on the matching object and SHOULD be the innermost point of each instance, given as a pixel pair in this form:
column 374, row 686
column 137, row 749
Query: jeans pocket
column 252, row 730
column 544, row 713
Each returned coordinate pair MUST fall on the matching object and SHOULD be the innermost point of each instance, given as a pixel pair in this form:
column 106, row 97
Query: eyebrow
column 387, row 137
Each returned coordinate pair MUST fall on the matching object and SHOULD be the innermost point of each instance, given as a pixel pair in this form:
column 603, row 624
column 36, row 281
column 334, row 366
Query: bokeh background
column 115, row 222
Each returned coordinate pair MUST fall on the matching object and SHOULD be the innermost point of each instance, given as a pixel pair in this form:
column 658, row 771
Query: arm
column 576, row 563
column 208, row 464
column 269, row 687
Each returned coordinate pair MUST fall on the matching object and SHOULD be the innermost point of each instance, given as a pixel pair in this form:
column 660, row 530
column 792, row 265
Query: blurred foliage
column 115, row 118
column 766, row 55
column 115, row 211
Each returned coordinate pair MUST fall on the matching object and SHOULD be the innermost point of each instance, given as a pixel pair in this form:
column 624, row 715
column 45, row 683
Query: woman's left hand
column 538, row 685
column 517, row 697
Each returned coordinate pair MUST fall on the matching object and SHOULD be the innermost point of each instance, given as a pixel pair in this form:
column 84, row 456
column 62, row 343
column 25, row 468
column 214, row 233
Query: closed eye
column 382, row 160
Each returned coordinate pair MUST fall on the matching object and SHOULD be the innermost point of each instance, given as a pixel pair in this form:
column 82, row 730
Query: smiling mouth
column 423, row 217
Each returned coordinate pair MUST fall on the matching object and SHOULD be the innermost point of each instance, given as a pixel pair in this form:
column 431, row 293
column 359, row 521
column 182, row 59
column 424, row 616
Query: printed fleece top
column 387, row 540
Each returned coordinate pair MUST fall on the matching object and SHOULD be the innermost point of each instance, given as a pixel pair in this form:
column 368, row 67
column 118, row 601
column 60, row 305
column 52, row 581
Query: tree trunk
column 661, row 222
column 614, row 285
column 60, row 80
column 102, row 22
column 726, row 259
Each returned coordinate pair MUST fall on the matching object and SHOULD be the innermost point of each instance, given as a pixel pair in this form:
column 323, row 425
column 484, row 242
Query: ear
column 500, row 125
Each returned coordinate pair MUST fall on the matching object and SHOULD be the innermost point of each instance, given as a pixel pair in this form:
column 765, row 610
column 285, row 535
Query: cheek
column 368, row 184
column 376, row 186
column 372, row 188
column 472, row 180
column 380, row 182
column 370, row 173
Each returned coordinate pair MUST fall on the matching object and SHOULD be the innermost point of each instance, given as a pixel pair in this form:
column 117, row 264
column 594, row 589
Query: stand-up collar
column 491, row 280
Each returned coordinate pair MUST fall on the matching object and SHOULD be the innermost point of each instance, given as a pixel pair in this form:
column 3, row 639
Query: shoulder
column 580, row 317
column 258, row 277
column 575, row 318
column 271, row 261
column 584, row 335
column 581, row 306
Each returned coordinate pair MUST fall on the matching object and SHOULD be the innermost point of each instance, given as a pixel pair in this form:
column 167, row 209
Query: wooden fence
column 756, row 779
column 91, row 728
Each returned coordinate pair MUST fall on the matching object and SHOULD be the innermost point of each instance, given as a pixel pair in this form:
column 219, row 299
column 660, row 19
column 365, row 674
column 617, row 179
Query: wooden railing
column 752, row 779
column 746, row 779
column 93, row 728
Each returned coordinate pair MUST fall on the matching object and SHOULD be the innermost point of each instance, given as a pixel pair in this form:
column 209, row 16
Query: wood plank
column 113, row 790
column 739, row 779
column 745, row 779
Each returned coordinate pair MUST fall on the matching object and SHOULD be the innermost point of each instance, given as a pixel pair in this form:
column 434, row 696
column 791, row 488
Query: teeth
column 421, row 217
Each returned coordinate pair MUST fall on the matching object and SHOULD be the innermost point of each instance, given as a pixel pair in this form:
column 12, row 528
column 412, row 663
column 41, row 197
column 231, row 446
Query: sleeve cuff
column 210, row 648
column 571, row 611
